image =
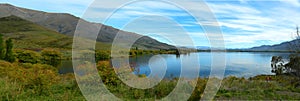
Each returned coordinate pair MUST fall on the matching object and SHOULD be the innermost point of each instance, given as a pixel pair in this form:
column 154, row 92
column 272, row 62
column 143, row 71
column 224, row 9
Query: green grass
column 36, row 82
column 257, row 88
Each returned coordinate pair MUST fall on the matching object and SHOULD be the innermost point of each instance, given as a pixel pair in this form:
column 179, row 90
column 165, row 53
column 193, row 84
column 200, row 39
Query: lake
column 240, row 64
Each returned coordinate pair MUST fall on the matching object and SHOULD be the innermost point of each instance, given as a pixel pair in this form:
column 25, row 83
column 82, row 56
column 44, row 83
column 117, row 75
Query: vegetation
column 8, row 53
column 260, row 88
column 117, row 87
column 51, row 57
column 35, row 82
column 1, row 47
column 277, row 65
column 143, row 52
column 28, row 35
column 42, row 82
column 293, row 66
column 102, row 55
column 9, row 56
column 137, row 52
column 28, row 56
column 28, row 79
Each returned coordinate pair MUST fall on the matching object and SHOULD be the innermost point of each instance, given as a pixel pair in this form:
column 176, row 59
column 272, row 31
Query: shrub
column 198, row 91
column 40, row 78
column 5, row 67
column 9, row 56
column 27, row 56
column 294, row 65
column 36, row 78
column 291, row 67
column 1, row 47
column 107, row 73
column 132, row 53
column 51, row 57
column 102, row 55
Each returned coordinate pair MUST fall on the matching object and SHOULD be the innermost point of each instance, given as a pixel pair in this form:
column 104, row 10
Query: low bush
column 51, row 57
column 27, row 56
column 102, row 55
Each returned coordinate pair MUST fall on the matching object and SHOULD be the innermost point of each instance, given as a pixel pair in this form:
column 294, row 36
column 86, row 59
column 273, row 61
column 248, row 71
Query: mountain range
column 285, row 46
column 66, row 24
column 288, row 46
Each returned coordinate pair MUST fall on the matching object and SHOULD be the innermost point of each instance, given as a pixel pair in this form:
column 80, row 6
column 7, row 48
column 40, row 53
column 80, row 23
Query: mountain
column 203, row 47
column 66, row 24
column 29, row 35
column 285, row 46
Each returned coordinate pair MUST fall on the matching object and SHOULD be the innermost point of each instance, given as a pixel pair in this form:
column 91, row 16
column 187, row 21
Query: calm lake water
column 240, row 64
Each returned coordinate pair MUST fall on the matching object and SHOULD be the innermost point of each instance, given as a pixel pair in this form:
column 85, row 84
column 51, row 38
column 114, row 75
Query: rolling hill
column 285, row 46
column 28, row 35
column 66, row 24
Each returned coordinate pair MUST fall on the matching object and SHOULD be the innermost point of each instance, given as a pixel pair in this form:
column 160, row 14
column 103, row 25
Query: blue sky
column 244, row 23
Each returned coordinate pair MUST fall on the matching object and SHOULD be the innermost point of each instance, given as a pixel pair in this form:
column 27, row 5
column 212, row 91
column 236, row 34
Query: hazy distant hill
column 285, row 46
column 203, row 48
column 66, row 24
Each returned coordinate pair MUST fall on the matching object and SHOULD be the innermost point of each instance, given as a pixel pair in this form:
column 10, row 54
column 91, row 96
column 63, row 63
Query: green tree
column 9, row 56
column 293, row 66
column 1, row 47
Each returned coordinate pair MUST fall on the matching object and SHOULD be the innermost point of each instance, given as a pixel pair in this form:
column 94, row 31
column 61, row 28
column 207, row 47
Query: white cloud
column 249, row 23
column 240, row 17
column 123, row 10
column 230, row 8
column 252, row 24
column 291, row 2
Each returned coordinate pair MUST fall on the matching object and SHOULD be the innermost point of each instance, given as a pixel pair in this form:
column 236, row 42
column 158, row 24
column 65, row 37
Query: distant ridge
column 285, row 46
column 66, row 24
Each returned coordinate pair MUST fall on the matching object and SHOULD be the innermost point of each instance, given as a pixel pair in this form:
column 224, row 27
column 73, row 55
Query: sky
column 242, row 23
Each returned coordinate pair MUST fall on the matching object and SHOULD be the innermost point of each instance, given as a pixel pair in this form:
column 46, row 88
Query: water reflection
column 240, row 64
column 65, row 67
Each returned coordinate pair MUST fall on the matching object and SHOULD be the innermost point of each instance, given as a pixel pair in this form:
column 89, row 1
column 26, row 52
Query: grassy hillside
column 28, row 35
